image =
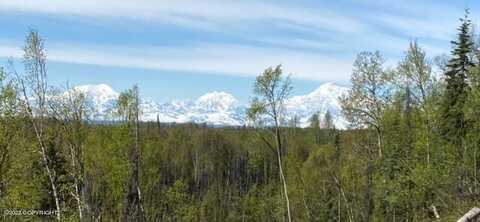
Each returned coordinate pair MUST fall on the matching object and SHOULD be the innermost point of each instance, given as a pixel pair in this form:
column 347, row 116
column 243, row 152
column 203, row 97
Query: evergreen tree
column 453, row 123
column 314, row 121
column 315, row 125
column 453, row 126
column 328, row 121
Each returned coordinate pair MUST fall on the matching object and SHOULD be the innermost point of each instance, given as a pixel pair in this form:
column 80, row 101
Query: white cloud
column 205, row 58
column 417, row 19
column 206, row 14
column 226, row 59
column 8, row 51
column 324, row 53
column 422, row 27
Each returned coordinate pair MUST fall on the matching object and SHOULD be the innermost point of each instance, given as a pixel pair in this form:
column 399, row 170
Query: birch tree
column 366, row 100
column 415, row 76
column 34, row 99
column 271, row 92
column 128, row 108
column 71, row 112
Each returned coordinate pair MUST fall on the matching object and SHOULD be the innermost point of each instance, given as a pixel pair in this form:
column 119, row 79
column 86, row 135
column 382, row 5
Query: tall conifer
column 453, row 120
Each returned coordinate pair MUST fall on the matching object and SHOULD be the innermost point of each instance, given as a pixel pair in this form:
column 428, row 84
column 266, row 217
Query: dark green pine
column 454, row 124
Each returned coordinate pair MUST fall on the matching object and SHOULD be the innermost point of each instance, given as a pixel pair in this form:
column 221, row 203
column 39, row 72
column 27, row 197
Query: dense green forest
column 411, row 154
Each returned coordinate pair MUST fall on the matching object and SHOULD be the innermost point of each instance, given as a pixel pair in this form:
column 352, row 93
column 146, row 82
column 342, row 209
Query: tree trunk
column 369, row 190
column 133, row 207
column 79, row 201
column 471, row 216
column 76, row 174
column 51, row 176
column 38, row 129
column 380, row 142
column 50, row 172
column 280, row 167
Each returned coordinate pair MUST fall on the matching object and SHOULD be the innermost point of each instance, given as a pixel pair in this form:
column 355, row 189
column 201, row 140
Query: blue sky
column 183, row 49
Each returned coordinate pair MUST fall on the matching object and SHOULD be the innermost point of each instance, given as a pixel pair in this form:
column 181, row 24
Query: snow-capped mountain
column 216, row 108
column 219, row 108
column 101, row 98
column 324, row 98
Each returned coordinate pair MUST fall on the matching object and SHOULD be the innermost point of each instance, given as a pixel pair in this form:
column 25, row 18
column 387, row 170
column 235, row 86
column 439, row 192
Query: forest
column 410, row 154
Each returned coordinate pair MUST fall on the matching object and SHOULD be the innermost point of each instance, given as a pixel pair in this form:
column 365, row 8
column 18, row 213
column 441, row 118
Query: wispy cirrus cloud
column 207, row 14
column 313, row 41
column 207, row 58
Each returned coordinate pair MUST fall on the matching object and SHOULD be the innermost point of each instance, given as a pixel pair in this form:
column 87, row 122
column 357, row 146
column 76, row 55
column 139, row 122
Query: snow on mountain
column 217, row 102
column 100, row 97
column 148, row 109
column 220, row 108
column 216, row 108
column 324, row 98
column 101, row 93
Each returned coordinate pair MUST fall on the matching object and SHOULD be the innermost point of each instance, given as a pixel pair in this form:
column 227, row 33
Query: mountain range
column 219, row 108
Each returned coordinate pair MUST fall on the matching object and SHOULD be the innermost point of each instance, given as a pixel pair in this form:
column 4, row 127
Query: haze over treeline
column 410, row 153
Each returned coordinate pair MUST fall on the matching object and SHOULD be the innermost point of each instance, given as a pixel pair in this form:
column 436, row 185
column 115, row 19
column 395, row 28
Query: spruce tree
column 328, row 120
column 456, row 91
column 315, row 125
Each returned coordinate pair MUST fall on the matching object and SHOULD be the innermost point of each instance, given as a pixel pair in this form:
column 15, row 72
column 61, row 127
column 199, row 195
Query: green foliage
column 271, row 90
column 427, row 131
column 454, row 126
column 364, row 104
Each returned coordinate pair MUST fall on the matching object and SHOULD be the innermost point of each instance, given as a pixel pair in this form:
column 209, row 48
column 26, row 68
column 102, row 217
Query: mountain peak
column 324, row 98
column 215, row 95
column 98, row 89
column 220, row 108
column 100, row 97
column 328, row 89
column 217, row 100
